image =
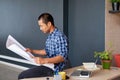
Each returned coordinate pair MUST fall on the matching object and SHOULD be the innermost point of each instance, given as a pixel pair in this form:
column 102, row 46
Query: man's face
column 45, row 28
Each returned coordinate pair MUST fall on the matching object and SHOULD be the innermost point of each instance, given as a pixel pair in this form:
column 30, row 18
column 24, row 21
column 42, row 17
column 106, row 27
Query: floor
column 8, row 72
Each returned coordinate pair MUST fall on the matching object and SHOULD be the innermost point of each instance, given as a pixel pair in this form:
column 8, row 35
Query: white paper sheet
column 17, row 48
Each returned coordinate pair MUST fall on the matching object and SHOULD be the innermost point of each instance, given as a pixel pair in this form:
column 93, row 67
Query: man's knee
column 20, row 76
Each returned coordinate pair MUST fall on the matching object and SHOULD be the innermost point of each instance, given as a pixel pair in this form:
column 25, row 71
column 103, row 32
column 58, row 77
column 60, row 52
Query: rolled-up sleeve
column 62, row 47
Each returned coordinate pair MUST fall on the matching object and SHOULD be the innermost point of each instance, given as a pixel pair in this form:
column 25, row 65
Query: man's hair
column 46, row 17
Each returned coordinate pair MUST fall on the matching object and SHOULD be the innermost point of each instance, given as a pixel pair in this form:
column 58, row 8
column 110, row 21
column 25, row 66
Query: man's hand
column 40, row 60
column 29, row 50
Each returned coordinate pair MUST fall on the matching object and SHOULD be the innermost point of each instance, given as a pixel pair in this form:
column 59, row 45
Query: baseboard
column 14, row 65
column 15, row 59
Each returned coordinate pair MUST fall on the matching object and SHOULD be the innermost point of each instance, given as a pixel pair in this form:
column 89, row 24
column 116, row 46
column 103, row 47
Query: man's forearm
column 40, row 52
column 56, row 59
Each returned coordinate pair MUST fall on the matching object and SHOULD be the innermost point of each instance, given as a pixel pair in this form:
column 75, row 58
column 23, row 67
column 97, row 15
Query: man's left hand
column 40, row 60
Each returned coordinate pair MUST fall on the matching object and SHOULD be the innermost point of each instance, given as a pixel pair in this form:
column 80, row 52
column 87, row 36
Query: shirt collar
column 54, row 31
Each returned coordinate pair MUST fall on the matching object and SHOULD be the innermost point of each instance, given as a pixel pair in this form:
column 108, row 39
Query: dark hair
column 46, row 17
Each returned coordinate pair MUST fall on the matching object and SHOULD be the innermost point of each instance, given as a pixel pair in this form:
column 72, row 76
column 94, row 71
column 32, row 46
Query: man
column 56, row 50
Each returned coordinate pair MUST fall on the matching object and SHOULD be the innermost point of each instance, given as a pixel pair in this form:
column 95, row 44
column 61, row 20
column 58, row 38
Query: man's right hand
column 29, row 50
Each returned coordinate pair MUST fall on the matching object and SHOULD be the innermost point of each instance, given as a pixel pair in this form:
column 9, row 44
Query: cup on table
column 63, row 75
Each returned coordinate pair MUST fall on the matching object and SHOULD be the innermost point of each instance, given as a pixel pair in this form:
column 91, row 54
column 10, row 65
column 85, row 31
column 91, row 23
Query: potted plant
column 105, row 57
column 115, row 5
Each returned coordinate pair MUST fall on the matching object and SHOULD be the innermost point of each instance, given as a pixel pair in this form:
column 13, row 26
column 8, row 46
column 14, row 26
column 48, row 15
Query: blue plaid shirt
column 56, row 44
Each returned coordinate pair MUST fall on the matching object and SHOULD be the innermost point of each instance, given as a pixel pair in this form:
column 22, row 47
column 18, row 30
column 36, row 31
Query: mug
column 63, row 75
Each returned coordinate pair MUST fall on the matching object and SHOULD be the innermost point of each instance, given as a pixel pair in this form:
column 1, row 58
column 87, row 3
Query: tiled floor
column 8, row 72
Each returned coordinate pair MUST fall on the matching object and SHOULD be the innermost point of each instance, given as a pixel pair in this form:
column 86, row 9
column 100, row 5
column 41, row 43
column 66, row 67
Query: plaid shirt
column 56, row 44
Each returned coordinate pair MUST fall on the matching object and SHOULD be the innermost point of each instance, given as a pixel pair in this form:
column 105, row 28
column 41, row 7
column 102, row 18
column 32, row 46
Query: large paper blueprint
column 17, row 48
